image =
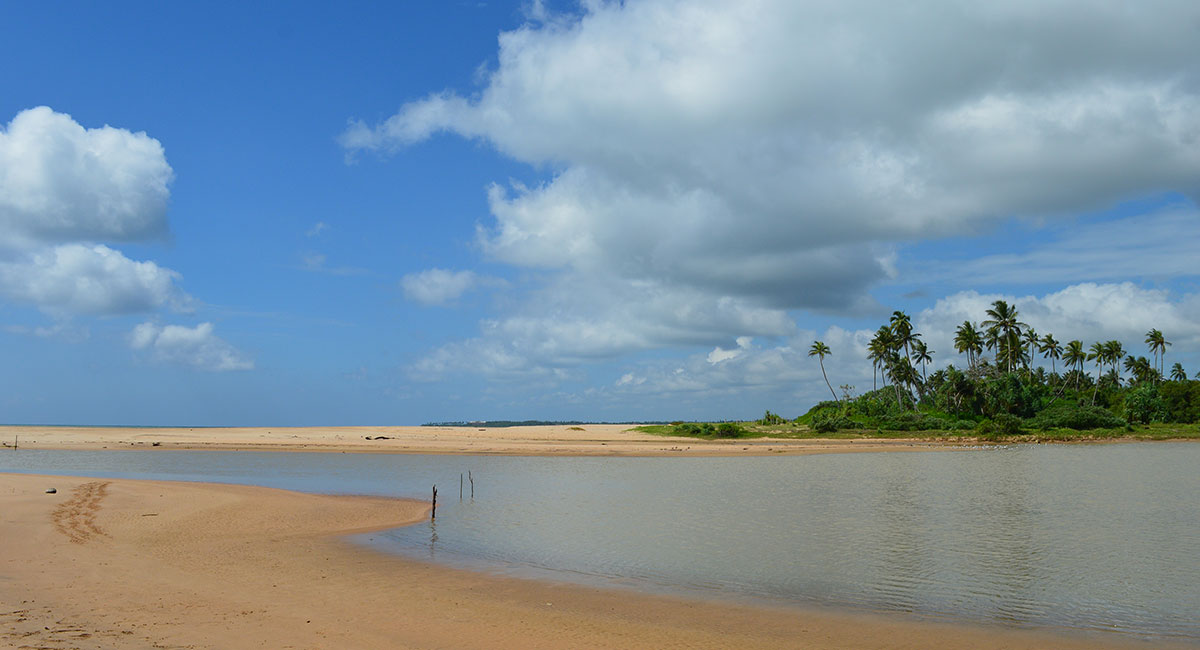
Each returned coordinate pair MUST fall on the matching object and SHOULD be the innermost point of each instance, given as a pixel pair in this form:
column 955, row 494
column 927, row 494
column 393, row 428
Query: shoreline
column 119, row 563
column 544, row 440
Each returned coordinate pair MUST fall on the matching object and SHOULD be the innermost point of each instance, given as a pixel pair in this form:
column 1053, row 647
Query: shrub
column 1144, row 405
column 770, row 418
column 1003, row 424
column 912, row 421
column 1070, row 416
column 730, row 430
column 829, row 422
column 1182, row 400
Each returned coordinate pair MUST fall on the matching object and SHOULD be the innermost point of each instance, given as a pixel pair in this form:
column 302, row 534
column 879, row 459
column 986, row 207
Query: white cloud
column 441, row 286
column 61, row 182
column 318, row 228
column 577, row 319
column 89, row 279
column 192, row 346
column 720, row 354
column 768, row 155
column 64, row 187
column 1088, row 311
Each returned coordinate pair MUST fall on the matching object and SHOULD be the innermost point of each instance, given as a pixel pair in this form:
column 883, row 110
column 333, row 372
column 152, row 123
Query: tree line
column 1001, row 379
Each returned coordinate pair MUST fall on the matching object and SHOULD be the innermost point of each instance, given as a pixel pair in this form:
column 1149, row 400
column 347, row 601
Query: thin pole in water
column 472, row 480
column 460, row 486
column 433, row 511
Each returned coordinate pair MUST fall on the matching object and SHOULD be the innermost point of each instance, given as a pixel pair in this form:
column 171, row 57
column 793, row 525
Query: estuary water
column 1094, row 537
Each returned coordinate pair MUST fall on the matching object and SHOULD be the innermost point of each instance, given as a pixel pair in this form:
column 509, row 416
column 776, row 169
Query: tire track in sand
column 76, row 517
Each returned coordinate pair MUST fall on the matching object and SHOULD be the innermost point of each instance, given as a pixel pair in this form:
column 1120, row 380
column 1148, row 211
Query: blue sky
column 220, row 214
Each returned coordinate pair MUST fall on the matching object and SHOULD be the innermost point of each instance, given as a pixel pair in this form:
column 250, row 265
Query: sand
column 139, row 564
column 584, row 440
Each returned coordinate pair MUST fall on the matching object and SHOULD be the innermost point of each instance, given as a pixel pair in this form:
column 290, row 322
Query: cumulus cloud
column 61, row 182
column 576, row 320
column 783, row 377
column 441, row 286
column 770, row 154
column 1086, row 311
column 195, row 346
column 64, row 187
column 81, row 279
column 756, row 374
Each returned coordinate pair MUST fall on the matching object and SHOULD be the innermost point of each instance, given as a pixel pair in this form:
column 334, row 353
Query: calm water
column 1092, row 537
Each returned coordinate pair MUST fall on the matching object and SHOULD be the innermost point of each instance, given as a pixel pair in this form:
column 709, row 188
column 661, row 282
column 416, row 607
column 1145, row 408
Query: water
column 1089, row 537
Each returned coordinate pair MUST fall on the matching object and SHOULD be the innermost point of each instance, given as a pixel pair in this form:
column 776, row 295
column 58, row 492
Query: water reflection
column 1084, row 536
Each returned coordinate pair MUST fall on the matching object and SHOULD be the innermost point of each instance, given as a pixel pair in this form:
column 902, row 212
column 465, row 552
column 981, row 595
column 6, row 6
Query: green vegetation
column 1002, row 396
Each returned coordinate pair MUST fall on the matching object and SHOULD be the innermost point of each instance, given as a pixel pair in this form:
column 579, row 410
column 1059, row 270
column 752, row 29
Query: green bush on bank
column 1071, row 416
column 709, row 430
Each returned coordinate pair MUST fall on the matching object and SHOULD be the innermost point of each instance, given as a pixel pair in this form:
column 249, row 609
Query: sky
column 260, row 214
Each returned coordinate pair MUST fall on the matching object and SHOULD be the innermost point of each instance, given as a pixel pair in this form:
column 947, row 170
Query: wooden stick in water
column 433, row 511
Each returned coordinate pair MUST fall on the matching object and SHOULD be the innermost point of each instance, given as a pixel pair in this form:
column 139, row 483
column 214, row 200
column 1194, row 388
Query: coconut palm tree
column 1002, row 319
column 1177, row 372
column 1152, row 339
column 1051, row 350
column 1114, row 352
column 1098, row 354
column 901, row 326
column 820, row 351
column 1074, row 357
column 1141, row 369
column 922, row 355
column 1031, row 339
column 1162, row 353
column 968, row 340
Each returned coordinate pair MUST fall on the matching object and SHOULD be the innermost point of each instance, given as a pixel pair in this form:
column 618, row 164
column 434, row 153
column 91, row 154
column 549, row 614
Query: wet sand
column 136, row 564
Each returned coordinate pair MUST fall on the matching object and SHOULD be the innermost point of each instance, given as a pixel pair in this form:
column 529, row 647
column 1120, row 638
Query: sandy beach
column 135, row 564
column 584, row 440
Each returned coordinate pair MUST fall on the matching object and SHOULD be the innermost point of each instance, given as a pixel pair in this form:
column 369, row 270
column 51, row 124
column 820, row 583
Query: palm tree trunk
column 822, row 362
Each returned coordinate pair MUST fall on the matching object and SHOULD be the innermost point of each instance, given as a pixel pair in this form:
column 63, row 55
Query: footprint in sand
column 76, row 517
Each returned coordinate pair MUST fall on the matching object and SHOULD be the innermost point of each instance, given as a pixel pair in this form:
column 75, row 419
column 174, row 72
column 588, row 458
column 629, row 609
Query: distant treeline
column 528, row 423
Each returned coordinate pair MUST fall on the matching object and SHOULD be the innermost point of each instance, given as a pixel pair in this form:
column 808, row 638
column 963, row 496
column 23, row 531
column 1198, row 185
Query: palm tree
column 1051, row 350
column 878, row 350
column 1002, row 319
column 902, row 327
column 1162, row 353
column 1074, row 357
column 1113, row 353
column 820, row 350
column 1152, row 339
column 1031, row 339
column 968, row 340
column 1141, row 369
column 1177, row 372
column 922, row 355
column 1100, row 356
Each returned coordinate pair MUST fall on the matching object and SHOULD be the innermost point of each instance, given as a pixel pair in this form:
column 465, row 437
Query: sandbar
column 119, row 564
column 548, row 440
